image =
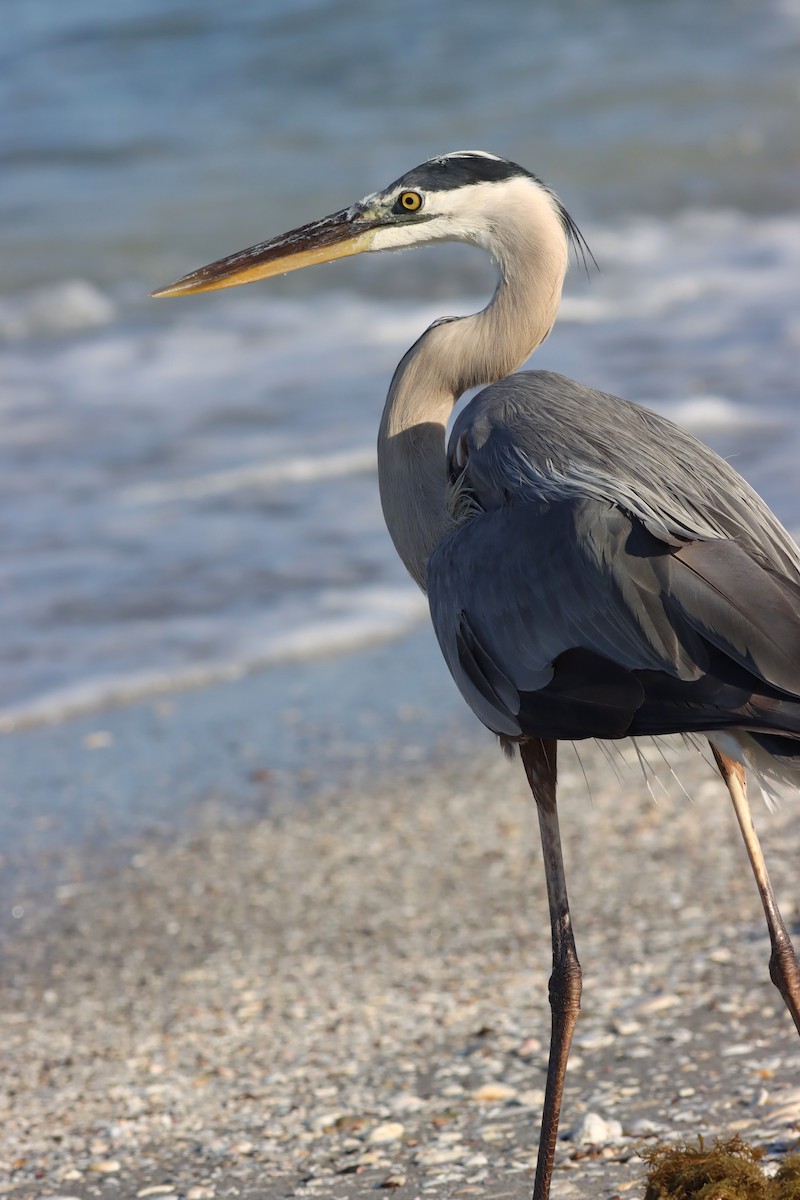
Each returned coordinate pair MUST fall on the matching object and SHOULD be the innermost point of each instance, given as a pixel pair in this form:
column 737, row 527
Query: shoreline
column 351, row 993
column 80, row 793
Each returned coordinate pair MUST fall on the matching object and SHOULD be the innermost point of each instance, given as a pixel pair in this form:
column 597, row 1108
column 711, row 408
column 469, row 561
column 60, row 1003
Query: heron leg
column 784, row 968
column 539, row 760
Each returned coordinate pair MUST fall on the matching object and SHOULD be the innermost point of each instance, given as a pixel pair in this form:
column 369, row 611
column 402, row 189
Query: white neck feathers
column 521, row 226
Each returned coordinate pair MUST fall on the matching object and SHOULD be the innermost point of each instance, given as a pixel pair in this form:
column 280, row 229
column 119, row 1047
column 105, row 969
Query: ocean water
column 188, row 486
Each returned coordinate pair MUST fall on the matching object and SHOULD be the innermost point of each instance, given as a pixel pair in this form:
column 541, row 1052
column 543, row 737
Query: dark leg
column 784, row 968
column 539, row 760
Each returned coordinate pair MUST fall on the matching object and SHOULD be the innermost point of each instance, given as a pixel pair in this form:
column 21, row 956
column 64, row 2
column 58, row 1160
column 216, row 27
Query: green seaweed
column 787, row 1178
column 728, row 1170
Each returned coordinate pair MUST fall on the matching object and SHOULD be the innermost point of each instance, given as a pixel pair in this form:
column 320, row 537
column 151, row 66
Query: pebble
column 598, row 1039
column 200, row 1191
column 642, row 1127
column 436, row 1156
column 627, row 1028
column 531, row 1045
column 390, row 1131
column 494, row 1093
column 324, row 1121
column 594, row 1130
column 395, row 1180
column 107, row 1166
column 658, row 1003
column 475, row 1161
column 443, row 1178
column 495, row 1133
column 406, row 1102
column 157, row 1189
column 373, row 1158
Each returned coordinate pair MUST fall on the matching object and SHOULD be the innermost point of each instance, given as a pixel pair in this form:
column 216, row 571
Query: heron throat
column 451, row 357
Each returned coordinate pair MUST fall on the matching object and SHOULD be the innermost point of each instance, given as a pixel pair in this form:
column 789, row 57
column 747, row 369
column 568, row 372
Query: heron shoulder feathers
column 539, row 435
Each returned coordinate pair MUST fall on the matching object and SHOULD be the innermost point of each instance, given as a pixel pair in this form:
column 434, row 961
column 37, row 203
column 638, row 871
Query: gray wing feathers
column 741, row 609
column 518, row 587
column 540, row 435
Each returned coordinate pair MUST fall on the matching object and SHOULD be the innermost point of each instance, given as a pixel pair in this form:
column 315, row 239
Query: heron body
column 605, row 589
column 592, row 569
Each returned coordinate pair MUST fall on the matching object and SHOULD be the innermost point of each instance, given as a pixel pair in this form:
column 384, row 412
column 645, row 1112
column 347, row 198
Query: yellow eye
column 410, row 201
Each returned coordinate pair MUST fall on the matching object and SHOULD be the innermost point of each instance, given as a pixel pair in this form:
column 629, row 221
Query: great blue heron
column 592, row 570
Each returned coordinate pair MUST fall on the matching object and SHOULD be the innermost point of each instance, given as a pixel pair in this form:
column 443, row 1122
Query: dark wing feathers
column 570, row 615
column 497, row 686
column 545, row 636
column 516, row 589
column 741, row 609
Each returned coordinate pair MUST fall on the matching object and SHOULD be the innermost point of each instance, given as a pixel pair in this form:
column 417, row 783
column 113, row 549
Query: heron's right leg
column 539, row 759
column 784, row 968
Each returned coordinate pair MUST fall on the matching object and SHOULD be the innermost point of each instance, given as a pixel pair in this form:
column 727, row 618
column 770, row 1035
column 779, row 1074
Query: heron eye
column 410, row 201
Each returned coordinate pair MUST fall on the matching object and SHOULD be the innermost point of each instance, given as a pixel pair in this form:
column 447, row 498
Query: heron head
column 468, row 196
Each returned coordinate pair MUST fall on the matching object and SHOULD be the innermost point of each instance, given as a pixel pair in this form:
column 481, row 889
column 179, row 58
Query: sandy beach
column 351, row 993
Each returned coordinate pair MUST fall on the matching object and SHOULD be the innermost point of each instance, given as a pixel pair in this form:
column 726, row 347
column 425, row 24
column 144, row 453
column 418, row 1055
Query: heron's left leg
column 784, row 968
column 539, row 760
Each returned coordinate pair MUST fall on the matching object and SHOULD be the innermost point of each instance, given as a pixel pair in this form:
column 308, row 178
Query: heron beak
column 342, row 234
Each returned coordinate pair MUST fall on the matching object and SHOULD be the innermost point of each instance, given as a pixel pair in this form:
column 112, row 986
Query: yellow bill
column 338, row 236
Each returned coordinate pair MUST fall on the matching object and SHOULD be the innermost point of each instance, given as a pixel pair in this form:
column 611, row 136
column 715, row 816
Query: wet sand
column 351, row 993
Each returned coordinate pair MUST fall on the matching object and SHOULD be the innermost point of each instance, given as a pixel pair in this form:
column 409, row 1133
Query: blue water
column 139, row 136
column 188, row 487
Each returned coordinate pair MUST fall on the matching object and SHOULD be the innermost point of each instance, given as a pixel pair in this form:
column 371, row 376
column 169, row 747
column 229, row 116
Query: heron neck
column 450, row 358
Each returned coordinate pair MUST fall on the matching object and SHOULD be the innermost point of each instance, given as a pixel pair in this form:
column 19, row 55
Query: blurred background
column 188, row 486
